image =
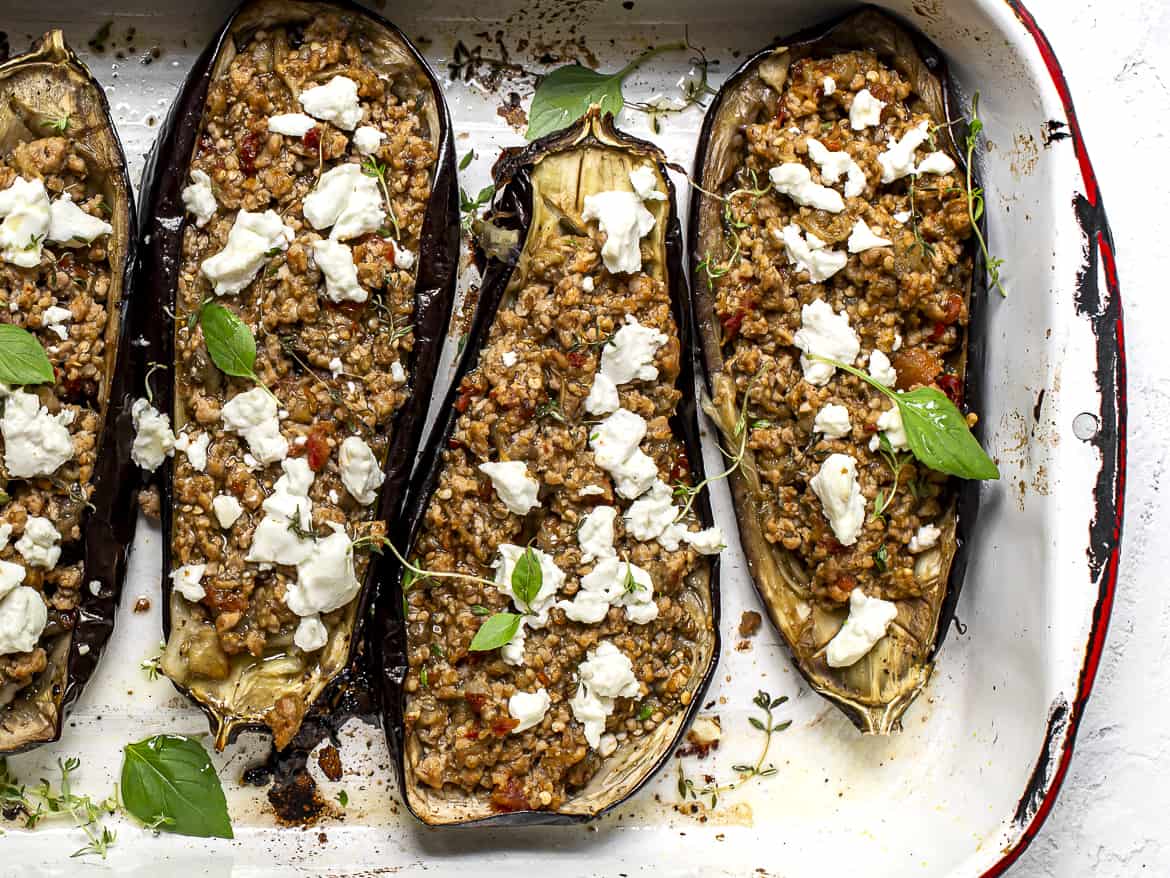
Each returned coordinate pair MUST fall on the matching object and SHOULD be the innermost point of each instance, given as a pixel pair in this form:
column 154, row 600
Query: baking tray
column 967, row 784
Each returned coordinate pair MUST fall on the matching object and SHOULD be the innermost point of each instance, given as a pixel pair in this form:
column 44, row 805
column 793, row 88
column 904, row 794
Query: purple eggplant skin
column 36, row 716
column 743, row 94
column 509, row 218
column 163, row 217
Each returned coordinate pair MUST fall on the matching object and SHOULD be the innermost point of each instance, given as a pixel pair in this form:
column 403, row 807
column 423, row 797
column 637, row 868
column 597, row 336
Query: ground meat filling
column 525, row 402
column 906, row 299
column 338, row 370
column 76, row 279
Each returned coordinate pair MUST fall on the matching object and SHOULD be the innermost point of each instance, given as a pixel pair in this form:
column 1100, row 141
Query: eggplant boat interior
column 561, row 609
column 67, row 484
column 302, row 206
column 833, row 221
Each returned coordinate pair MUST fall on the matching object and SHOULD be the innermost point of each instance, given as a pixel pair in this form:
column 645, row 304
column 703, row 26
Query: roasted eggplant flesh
column 306, row 199
column 838, row 227
column 65, row 244
column 528, row 469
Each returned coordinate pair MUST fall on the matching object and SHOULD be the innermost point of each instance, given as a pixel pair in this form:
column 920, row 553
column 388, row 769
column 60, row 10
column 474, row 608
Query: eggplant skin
column 750, row 92
column 509, row 219
column 161, row 231
column 47, row 80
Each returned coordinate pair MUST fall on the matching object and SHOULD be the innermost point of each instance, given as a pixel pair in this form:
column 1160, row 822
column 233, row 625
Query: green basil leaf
column 495, row 632
column 939, row 437
column 566, row 94
column 466, row 160
column 22, row 359
column 229, row 341
column 169, row 781
column 485, row 194
column 527, row 578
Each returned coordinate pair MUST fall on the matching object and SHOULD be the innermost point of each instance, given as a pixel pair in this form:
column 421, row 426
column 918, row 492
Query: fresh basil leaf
column 939, row 437
column 22, row 359
column 566, row 94
column 229, row 341
column 495, row 632
column 168, row 781
column 527, row 578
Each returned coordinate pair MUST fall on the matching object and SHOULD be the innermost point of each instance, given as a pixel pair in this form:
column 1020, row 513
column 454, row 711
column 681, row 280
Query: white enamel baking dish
column 968, row 783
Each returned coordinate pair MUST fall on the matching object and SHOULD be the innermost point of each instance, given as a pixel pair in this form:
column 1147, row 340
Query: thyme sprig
column 371, row 167
column 43, row 802
column 731, row 225
column 694, row 90
column 896, row 462
column 975, row 198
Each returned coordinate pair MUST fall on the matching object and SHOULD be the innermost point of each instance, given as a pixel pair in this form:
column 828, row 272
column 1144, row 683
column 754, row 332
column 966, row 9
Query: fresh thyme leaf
column 424, row 677
column 60, row 124
column 229, row 341
column 881, row 558
column 22, row 359
column 172, row 777
column 527, row 578
column 496, row 630
column 437, row 650
column 975, row 198
column 629, row 584
column 480, row 610
column 44, row 802
column 467, row 160
column 343, row 798
column 645, row 713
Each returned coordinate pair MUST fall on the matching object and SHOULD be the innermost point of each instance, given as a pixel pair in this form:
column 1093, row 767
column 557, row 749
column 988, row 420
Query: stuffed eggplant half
column 302, row 243
column 833, row 227
column 560, row 598
column 67, row 484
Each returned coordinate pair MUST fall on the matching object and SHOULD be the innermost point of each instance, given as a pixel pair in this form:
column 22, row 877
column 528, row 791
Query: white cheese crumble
column 360, row 472
column 603, row 396
column 613, row 582
column 11, row 575
column 253, row 415
column 863, row 238
column 336, row 366
column 897, row 345
column 865, row 111
column 516, row 489
column 898, row 159
column 227, row 510
column 935, row 163
column 795, row 180
column 551, row 579
column 38, row 545
column 828, row 85
column 188, row 581
column 652, row 516
column 95, row 587
column 403, row 258
column 595, row 535
column 926, row 537
column 311, row 634
column 825, row 334
column 606, row 674
column 397, row 373
column 291, row 124
column 35, row 442
column 326, row 580
column 645, row 183
column 252, row 238
column 198, row 198
column 195, row 447
column 368, row 139
column 587, row 284
column 630, row 353
column 832, row 421
column 706, row 542
column 890, row 423
column 529, row 708
column 336, row 262
column 840, row 495
column 72, row 226
column 901, row 216
column 624, row 220
column 336, row 101
column 348, row 200
column 274, row 541
column 153, row 440
column 23, row 617
column 591, row 491
column 834, row 164
column 508, row 358
column 869, row 620
column 810, row 254
column 25, row 208
column 614, row 443
column 881, row 370
column 53, row 317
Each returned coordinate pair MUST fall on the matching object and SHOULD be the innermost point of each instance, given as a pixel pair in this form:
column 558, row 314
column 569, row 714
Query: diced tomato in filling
column 681, row 467
column 732, row 324
column 503, row 725
column 312, row 138
column 577, row 359
column 510, row 797
column 951, row 386
column 937, row 332
column 318, row 450
column 249, row 149
column 475, row 700
column 463, row 400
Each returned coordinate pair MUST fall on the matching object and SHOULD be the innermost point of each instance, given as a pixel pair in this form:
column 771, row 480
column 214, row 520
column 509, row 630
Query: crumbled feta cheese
column 587, row 491
column 516, row 489
column 706, row 542
column 624, row 220
column 195, row 447
column 551, row 579
column 227, row 510
column 252, row 238
column 890, row 423
column 253, row 416
column 54, row 316
column 832, row 421
column 828, row 85
column 595, row 535
column 834, row 164
column 840, row 495
column 529, row 708
column 869, row 620
column 898, row 159
column 508, row 358
column 336, row 101
column 512, row 652
column 897, row 346
column 880, row 369
column 325, row 580
column 403, row 258
column 198, row 198
column 397, row 373
column 865, row 111
column 72, row 226
column 95, row 588
column 24, row 205
column 811, row 255
column 336, row 366
column 935, row 163
column 153, row 439
column 645, row 183
column 336, row 262
column 653, row 515
column 83, row 649
column 348, row 200
column 926, row 537
column 311, row 634
column 188, row 581
column 795, row 180
column 603, row 396
column 825, row 334
column 368, row 139
column 23, row 617
column 291, row 124
column 275, row 540
column 35, row 442
column 863, row 238
column 613, row 582
column 901, row 216
column 360, row 472
column 587, row 284
column 11, row 575
column 606, row 674
column 630, row 353
column 334, row 497
column 38, row 545
column 614, row 443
